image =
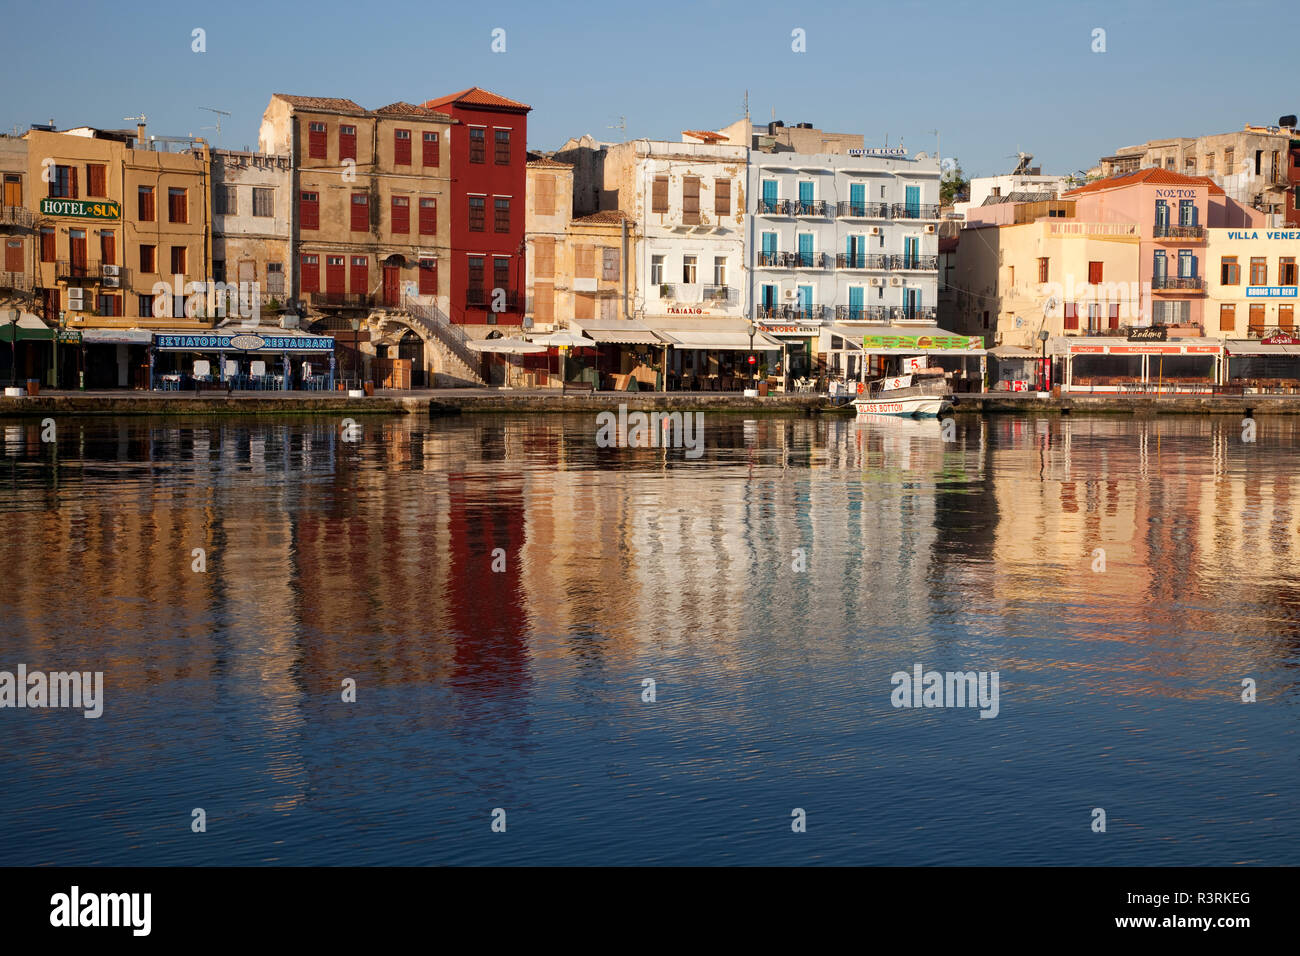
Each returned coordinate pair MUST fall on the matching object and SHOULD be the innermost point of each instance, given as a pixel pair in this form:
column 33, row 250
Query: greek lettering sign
column 922, row 342
column 81, row 208
column 1149, row 333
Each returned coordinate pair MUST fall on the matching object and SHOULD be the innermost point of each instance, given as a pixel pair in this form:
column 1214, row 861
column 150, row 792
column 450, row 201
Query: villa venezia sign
column 80, row 209
column 922, row 342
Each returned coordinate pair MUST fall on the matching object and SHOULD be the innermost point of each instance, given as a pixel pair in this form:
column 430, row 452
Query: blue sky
column 992, row 77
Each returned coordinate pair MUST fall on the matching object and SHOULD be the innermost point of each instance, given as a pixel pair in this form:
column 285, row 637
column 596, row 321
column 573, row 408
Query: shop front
column 906, row 349
column 716, row 355
column 1266, row 365
column 116, row 358
column 799, row 342
column 1113, row 364
column 251, row 358
column 628, row 356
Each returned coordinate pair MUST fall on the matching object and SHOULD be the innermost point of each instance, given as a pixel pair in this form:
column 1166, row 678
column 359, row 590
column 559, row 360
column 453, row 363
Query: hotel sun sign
column 81, row 208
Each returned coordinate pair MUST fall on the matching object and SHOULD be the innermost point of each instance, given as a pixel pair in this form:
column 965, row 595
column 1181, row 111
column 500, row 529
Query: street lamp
column 753, row 368
column 1042, row 337
column 63, row 327
column 356, row 346
column 13, row 347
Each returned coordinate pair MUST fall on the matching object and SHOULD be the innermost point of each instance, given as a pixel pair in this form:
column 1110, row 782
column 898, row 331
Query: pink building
column 1172, row 212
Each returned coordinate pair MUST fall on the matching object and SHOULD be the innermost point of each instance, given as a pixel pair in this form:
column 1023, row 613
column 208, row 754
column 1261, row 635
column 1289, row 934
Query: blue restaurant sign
column 245, row 342
column 1271, row 291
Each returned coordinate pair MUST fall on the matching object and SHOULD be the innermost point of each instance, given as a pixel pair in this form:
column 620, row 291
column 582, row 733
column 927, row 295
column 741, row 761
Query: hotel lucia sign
column 81, row 209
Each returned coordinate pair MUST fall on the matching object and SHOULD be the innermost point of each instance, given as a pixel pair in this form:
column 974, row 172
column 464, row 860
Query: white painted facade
column 982, row 187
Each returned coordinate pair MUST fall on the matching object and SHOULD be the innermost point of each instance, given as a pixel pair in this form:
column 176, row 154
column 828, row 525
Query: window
column 544, row 196
column 477, row 145
column 501, row 220
column 400, row 214
column 656, row 270
column 1259, row 156
column 431, row 154
column 1042, row 269
column 584, row 305
column 1229, row 157
column 501, row 273
column 309, row 210
column 109, row 304
column 691, row 200
column 1094, row 273
column 13, row 195
column 360, row 277
column 428, row 217
column 64, row 183
column 1186, row 264
column 659, row 198
column 502, row 140
column 360, row 212
column 347, row 142
column 178, row 205
column 144, row 204
column 148, row 259
column 1258, row 270
column 428, row 276
column 1286, row 274
column 1286, row 316
column 1229, row 271
column 47, row 244
column 688, row 270
column 219, row 270
column 402, row 147
column 13, row 255
column 1255, row 321
column 108, row 247
column 476, row 276
column 477, row 213
column 179, row 255
column 1209, row 164
column 263, row 202
column 1071, row 320
column 316, row 140
column 144, row 305
column 96, row 180
column 227, row 201
column 1227, row 317
column 719, row 270
column 1189, row 165
column 722, row 197
column 609, row 264
column 309, row 268
column 544, row 257
column 584, row 262
column 275, row 278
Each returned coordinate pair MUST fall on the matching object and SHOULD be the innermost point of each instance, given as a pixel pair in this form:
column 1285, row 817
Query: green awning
column 29, row 328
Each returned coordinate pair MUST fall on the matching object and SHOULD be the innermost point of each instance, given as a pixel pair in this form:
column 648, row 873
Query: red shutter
column 347, row 144
column 107, row 248
column 402, row 147
column 428, row 277
column 428, row 217
column 72, row 182
column 309, row 210
column 310, row 268
column 360, row 212
column 401, row 214
column 1094, row 272
column 1071, row 315
column 14, row 255
column 360, row 277
column 1114, row 315
column 316, row 140
column 430, row 157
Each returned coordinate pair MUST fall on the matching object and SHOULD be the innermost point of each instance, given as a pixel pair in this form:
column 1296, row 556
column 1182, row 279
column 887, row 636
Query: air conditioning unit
column 112, row 282
column 875, row 230
column 930, row 228
column 789, row 294
column 874, row 283
column 111, row 270
column 76, row 299
column 895, row 280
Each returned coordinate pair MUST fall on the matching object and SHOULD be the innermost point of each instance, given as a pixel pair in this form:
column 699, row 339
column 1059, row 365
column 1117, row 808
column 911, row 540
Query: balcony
column 914, row 263
column 667, row 290
column 1264, row 331
column 862, row 313
column 794, row 260
column 77, row 270
column 15, row 282
column 790, row 313
column 341, row 300
column 901, row 210
column 861, row 260
column 927, row 314
column 1179, row 232
column 16, row 217
column 862, row 210
column 810, row 208
column 720, row 294
column 1177, row 284
column 773, row 207
column 486, row 298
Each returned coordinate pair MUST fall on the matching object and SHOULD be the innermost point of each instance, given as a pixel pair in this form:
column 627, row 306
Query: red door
column 334, row 277
column 360, row 275
column 13, row 255
column 392, row 283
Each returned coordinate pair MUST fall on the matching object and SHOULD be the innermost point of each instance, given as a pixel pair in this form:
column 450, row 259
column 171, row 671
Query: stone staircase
column 459, row 363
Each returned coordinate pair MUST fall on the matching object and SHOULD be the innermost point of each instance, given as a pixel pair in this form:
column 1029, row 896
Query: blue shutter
column 769, row 243
column 855, row 302
column 769, row 192
column 806, row 249
column 913, row 202
column 858, row 198
column 805, row 192
column 805, row 297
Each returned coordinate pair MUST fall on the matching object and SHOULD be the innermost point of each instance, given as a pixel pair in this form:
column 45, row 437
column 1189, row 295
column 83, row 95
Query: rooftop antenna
column 220, row 113
column 938, row 154
column 621, row 125
column 747, row 104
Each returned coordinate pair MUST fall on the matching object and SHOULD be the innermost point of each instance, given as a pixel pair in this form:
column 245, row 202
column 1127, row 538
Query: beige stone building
column 252, row 211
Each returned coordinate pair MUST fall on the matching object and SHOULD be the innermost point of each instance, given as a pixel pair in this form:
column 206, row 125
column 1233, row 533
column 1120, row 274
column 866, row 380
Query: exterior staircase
column 459, row 363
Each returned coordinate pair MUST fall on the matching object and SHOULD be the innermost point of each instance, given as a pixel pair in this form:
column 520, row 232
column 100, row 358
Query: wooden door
column 392, row 283
column 335, row 280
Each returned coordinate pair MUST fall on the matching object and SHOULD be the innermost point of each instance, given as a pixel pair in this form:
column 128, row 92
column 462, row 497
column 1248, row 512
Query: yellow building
column 1251, row 281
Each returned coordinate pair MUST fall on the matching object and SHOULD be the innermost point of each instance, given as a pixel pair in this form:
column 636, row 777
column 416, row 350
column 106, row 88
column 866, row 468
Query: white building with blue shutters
column 839, row 245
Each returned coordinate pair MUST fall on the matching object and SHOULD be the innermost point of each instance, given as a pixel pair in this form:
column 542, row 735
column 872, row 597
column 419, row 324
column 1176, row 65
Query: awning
column 563, row 338
column 1014, row 352
column 28, row 328
column 852, row 337
column 238, row 339
column 1237, row 347
column 618, row 332
column 719, row 340
column 918, row 340
column 116, row 336
column 506, row 346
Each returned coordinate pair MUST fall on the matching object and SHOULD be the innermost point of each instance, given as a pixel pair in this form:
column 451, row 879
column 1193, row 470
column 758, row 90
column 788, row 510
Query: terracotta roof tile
column 1153, row 175
column 544, row 162
column 707, row 135
column 333, row 104
column 477, row 96
column 402, row 108
column 612, row 216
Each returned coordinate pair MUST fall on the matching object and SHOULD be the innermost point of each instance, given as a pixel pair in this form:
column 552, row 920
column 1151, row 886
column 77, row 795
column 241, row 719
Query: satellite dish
column 1051, row 305
column 922, row 156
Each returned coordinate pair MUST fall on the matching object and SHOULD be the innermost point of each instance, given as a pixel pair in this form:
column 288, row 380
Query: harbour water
column 501, row 589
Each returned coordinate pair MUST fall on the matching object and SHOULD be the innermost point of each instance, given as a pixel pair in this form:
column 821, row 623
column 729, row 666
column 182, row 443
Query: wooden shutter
column 401, row 214
column 609, row 264
column 72, row 182
column 14, row 255
column 659, row 200
column 360, row 212
column 428, row 217
column 428, row 277
column 691, row 200
column 108, row 248
column 584, row 306
column 1094, row 272
column 1257, row 315
column 1071, row 315
column 544, row 303
column 1227, row 317
column 1114, row 315
column 584, row 263
column 1286, row 316
column 722, row 197
column 545, row 201
column 95, row 180
column 544, row 257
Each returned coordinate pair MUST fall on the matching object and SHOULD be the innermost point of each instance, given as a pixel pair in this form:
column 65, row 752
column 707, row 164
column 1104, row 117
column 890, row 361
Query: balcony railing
column 77, row 269
column 928, row 313
column 15, row 282
column 341, row 300
column 811, row 207
column 667, row 290
column 914, row 263
column 1264, row 331
column 791, row 312
column 773, row 207
column 1178, row 283
column 16, row 216
column 862, row 313
column 1179, row 232
column 486, row 299
column 794, row 260
column 861, row 260
column 719, row 294
column 900, row 210
column 862, row 210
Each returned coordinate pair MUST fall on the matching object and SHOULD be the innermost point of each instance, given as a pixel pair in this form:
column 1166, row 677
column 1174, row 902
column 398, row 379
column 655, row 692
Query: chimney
column 140, row 137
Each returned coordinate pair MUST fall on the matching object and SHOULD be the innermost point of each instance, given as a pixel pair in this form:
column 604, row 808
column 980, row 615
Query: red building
column 488, row 179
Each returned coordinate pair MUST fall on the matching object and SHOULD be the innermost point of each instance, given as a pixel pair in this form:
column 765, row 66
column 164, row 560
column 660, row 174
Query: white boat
column 905, row 395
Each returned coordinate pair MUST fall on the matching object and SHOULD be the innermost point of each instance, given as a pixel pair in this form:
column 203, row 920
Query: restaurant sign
column 1148, row 333
column 922, row 342
column 1280, row 338
column 791, row 329
column 81, row 209
column 245, row 343
column 1271, row 291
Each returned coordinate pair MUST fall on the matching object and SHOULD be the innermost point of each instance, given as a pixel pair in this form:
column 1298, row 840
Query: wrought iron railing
column 1194, row 283
column 773, row 207
column 861, row 260
column 1167, row 231
column 862, row 210
column 914, row 263
column 808, row 207
column 18, row 216
column 900, row 210
column 15, row 281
